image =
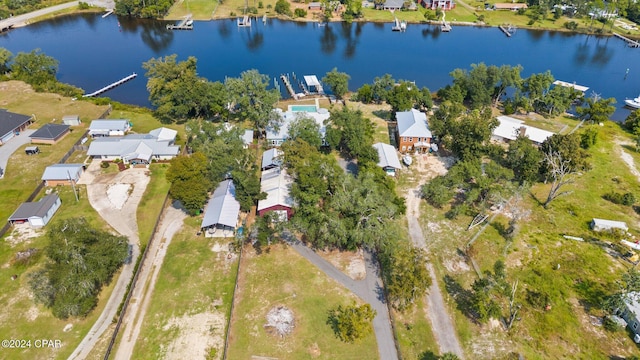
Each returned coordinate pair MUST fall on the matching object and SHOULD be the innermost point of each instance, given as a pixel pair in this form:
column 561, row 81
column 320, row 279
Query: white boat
column 407, row 160
column 634, row 103
column 189, row 22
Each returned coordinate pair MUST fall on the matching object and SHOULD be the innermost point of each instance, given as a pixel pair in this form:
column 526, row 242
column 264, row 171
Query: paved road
column 12, row 145
column 443, row 329
column 25, row 19
column 369, row 290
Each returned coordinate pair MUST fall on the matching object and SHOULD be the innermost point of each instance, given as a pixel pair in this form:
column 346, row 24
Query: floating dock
column 505, row 30
column 245, row 22
column 111, row 86
column 630, row 42
column 399, row 25
column 184, row 24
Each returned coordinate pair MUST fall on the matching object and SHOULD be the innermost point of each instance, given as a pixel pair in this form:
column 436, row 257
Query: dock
column 630, row 42
column 399, row 25
column 184, row 24
column 571, row 85
column 109, row 12
column 505, row 31
column 445, row 27
column 111, row 86
column 287, row 85
column 245, row 22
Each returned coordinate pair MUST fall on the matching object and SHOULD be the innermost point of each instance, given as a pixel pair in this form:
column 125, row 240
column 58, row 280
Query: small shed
column 221, row 212
column 37, row 213
column 62, row 174
column 608, row 225
column 71, row 120
column 387, row 158
column 315, row 5
column 49, row 134
column 31, row 150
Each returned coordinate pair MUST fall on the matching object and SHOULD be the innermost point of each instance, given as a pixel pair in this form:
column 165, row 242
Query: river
column 95, row 51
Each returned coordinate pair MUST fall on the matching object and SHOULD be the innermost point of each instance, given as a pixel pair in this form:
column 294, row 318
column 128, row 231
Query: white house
column 277, row 184
column 275, row 137
column 509, row 128
column 102, row 127
column 608, row 225
column 136, row 149
column 221, row 214
column 37, row 213
column 387, row 158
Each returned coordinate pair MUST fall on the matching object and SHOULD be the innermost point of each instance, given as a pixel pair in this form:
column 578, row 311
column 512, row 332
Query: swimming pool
column 301, row 108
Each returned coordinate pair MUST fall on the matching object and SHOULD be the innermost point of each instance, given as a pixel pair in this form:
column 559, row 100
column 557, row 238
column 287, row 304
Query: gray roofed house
column 11, row 124
column 164, row 134
column 275, row 137
column 37, row 213
column 49, row 134
column 222, row 211
column 387, row 158
column 62, row 174
column 271, row 158
column 393, row 5
column 135, row 148
column 103, row 127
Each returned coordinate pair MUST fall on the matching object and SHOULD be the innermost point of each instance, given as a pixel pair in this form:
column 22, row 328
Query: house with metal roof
column 608, row 225
column 631, row 313
column 276, row 136
column 509, row 129
column 136, row 149
column 71, row 120
column 277, row 184
column 49, row 134
column 247, row 138
column 37, row 213
column 387, row 158
column 62, row 174
column 271, row 158
column 11, row 124
column 413, row 132
column 221, row 213
column 102, row 127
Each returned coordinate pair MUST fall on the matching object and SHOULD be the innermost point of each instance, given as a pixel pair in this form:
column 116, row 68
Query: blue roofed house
column 62, row 174
column 413, row 133
column 387, row 158
column 221, row 213
column 136, row 149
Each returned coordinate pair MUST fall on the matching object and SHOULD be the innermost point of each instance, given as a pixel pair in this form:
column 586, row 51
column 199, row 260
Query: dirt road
column 441, row 323
column 25, row 19
column 118, row 209
column 171, row 221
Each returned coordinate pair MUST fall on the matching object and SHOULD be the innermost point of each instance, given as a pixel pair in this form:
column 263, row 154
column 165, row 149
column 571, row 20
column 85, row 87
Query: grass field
column 575, row 275
column 191, row 300
column 281, row 277
column 152, row 200
column 22, row 318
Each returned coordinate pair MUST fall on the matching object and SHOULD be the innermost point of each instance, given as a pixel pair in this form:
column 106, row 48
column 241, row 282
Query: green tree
column 632, row 122
column 348, row 130
column 5, row 60
column 253, row 100
column 338, row 82
column 81, row 261
column 470, row 134
column 424, row 100
column 403, row 96
column 568, row 147
column 248, row 190
column 596, row 110
column 534, row 87
column 589, row 137
column 449, row 356
column 34, row 67
column 381, row 87
column 524, row 159
column 283, row 7
column 189, row 181
column 438, row 191
column 351, row 323
column 406, row 275
column 365, row 94
column 307, row 129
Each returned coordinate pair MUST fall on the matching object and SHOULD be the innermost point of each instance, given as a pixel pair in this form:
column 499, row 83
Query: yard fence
column 134, row 280
column 233, row 301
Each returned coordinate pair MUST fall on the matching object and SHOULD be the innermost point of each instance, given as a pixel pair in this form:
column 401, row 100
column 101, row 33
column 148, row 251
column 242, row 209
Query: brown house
column 413, row 132
column 49, row 134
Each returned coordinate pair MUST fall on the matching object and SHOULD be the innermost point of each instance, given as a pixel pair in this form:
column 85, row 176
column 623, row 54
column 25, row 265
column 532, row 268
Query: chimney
column 522, row 130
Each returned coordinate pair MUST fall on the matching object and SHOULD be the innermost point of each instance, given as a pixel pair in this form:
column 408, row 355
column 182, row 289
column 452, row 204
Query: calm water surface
column 94, row 52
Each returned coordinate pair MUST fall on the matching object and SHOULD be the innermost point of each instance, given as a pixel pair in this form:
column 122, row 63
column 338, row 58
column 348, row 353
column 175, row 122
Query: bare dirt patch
column 196, row 335
column 456, row 265
column 22, row 233
column 349, row 262
column 280, row 321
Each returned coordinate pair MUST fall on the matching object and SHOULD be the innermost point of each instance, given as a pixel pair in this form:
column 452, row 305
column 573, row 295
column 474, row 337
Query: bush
column 83, row 5
column 283, row 7
column 571, row 25
column 300, row 12
column 104, row 164
column 260, row 5
column 252, row 10
column 627, row 199
column 610, row 325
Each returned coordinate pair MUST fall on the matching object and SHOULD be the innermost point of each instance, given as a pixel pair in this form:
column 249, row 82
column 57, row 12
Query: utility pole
column 73, row 186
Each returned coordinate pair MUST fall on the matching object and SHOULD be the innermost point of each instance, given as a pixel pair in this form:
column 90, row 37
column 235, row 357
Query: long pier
column 287, row 84
column 111, row 86
column 630, row 42
column 505, row 31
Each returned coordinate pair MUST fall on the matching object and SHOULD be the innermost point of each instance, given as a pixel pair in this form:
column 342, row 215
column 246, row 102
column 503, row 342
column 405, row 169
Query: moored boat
column 634, row 103
column 407, row 160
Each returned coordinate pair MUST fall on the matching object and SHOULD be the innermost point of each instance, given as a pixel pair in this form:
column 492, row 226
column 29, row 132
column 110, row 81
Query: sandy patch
column 280, row 321
column 196, row 335
column 118, row 194
column 349, row 262
column 217, row 247
column 22, row 233
column 456, row 265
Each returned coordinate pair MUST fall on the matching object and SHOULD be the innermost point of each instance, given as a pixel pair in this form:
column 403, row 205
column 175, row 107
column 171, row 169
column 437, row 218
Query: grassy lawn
column 22, row 318
column 575, row 275
column 23, row 172
column 152, row 200
column 191, row 299
column 281, row 277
